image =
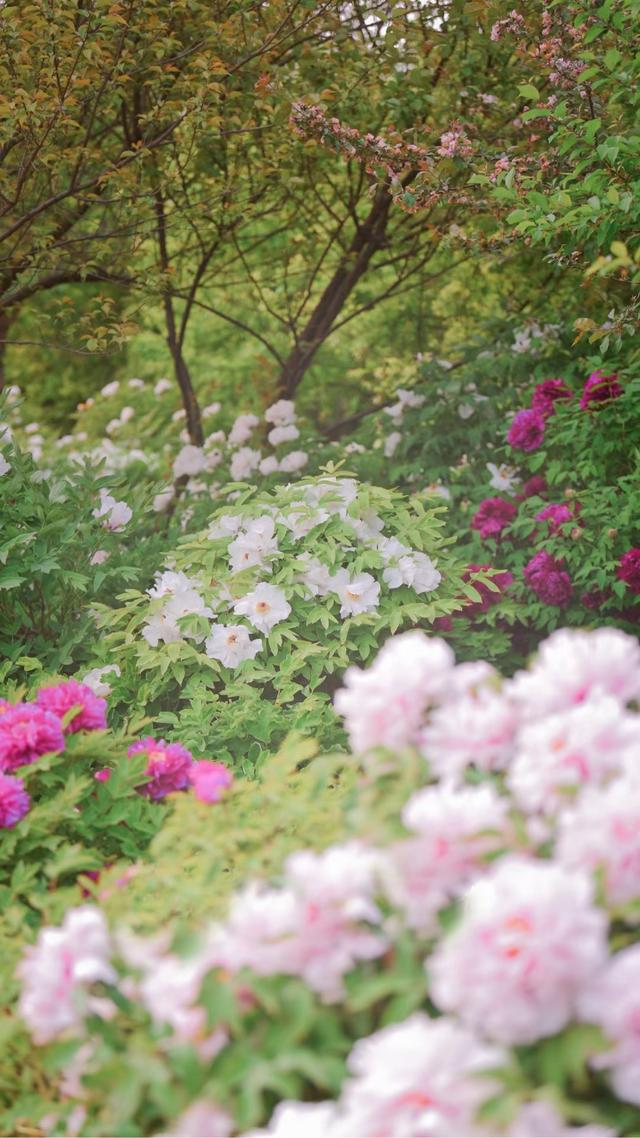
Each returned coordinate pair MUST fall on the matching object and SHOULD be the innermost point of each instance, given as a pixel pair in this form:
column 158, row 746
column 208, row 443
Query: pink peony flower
column 209, row 780
column 316, row 927
column 529, row 942
column 535, row 486
column 384, row 705
column 103, row 775
column 60, row 698
column 526, row 431
column 612, row 1001
column 455, row 832
column 477, row 730
column 14, row 801
column 594, row 599
column 169, row 990
column 629, row 569
column 27, row 732
column 168, row 767
column 492, row 516
column 602, row 832
column 599, row 388
column 556, row 758
column 547, row 578
column 556, row 514
column 57, row 973
column 423, row 1076
column 545, row 395
column 574, row 666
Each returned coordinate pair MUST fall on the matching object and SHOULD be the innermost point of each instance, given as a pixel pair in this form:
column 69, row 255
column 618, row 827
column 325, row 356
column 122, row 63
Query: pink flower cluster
column 492, row 516
column 548, row 579
column 171, row 768
column 30, row 730
column 529, row 824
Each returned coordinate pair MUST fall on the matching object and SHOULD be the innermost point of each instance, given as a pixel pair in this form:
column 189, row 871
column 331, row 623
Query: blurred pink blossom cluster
column 528, row 823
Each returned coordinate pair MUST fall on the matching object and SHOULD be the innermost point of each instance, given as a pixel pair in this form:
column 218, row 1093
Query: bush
column 310, row 1003
column 245, row 634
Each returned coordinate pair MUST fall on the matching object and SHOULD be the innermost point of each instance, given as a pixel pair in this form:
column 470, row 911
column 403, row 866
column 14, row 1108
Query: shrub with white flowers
column 247, row 621
column 463, row 961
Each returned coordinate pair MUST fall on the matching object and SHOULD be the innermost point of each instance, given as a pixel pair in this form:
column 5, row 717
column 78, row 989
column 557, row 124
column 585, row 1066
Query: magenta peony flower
column 595, row 598
column 629, row 569
column 168, row 767
column 492, row 516
column 546, row 577
column 503, row 579
column 526, row 431
column 556, row 514
column 26, row 732
column 209, row 780
column 546, row 393
column 534, row 486
column 14, row 801
column 60, row 698
column 599, row 388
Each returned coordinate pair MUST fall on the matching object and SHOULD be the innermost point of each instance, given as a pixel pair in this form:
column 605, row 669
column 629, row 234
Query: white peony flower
column 231, row 644
column 161, row 386
column 391, row 443
column 269, row 465
column 5, row 466
column 503, row 478
column 241, row 430
column 190, row 460
column 110, row 389
column 95, row 679
column 294, row 461
column 283, row 435
column 281, row 414
column 356, row 594
column 254, row 545
column 243, row 463
column 264, row 607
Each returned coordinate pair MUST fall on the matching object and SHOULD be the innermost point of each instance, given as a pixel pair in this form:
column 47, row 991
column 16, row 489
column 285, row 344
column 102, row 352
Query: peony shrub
column 460, row 960
column 248, row 623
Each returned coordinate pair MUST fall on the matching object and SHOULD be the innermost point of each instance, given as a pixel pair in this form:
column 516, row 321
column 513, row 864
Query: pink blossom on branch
column 27, row 732
column 14, row 801
column 168, row 767
column 528, row 944
column 60, row 698
column 492, row 516
column 526, row 431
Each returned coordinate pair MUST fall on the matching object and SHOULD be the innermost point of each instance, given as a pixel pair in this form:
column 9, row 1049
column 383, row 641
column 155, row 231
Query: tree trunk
column 189, row 399
column 369, row 237
column 183, row 377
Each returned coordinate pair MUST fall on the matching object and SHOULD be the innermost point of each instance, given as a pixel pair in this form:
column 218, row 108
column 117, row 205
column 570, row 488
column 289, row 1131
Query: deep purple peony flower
column 168, row 766
column 546, row 393
column 60, row 698
column 594, row 599
column 526, row 431
column 534, row 486
column 599, row 388
column 492, row 516
column 14, row 801
column 547, row 578
column 503, row 579
column 26, row 732
column 209, row 780
column 629, row 569
column 556, row 514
